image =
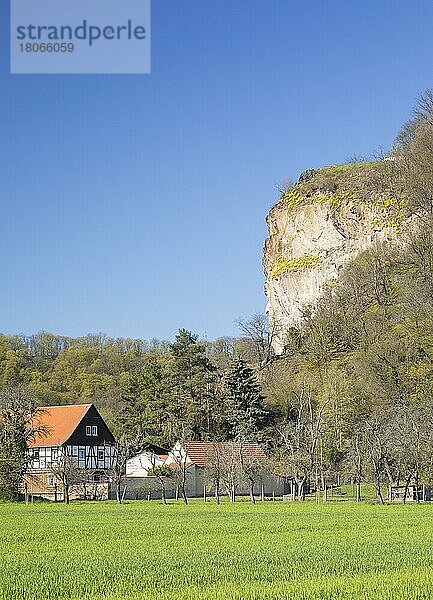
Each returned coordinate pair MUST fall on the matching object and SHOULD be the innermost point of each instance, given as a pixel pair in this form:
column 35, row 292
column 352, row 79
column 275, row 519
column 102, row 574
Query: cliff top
column 362, row 180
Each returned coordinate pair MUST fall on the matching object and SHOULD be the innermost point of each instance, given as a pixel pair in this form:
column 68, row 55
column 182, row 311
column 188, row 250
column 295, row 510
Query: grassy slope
column 268, row 551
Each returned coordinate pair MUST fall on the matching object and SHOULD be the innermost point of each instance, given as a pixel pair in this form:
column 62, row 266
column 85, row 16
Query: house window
column 97, row 478
column 35, row 454
column 92, row 430
column 52, row 482
column 54, row 453
column 101, row 455
column 81, row 454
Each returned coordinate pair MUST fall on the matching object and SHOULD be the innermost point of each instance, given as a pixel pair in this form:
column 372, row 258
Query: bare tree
column 161, row 472
column 300, row 435
column 260, row 336
column 19, row 425
column 253, row 468
column 354, row 462
column 214, row 469
column 124, row 449
column 179, row 456
column 66, row 472
column 230, row 468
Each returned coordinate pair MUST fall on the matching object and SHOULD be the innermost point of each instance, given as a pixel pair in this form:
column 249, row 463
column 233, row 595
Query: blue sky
column 135, row 205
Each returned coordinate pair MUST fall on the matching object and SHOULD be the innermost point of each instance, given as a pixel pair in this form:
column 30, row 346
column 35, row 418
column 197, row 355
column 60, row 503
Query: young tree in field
column 67, row 473
column 300, row 434
column 231, row 474
column 376, row 443
column 247, row 412
column 355, row 461
column 18, row 426
column 252, row 467
column 180, row 470
column 161, row 472
column 126, row 447
column 214, row 469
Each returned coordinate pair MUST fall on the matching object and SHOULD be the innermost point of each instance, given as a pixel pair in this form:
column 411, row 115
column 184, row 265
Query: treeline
column 96, row 368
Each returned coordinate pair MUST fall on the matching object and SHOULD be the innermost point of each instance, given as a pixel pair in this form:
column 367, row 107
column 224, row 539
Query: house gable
column 85, row 433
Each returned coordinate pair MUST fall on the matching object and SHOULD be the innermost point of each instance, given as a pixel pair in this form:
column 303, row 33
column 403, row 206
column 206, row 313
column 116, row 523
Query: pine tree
column 193, row 384
column 146, row 409
column 247, row 412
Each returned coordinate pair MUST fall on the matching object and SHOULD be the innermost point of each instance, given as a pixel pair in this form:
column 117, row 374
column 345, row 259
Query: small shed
column 420, row 493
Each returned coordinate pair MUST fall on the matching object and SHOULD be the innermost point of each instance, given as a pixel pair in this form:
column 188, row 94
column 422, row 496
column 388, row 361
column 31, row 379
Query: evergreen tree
column 146, row 409
column 247, row 412
column 193, row 384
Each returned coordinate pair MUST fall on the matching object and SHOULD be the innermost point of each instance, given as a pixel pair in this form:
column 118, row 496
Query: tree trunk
column 66, row 493
column 217, row 491
column 358, row 491
column 301, row 489
column 406, row 488
column 252, row 498
column 379, row 490
column 118, row 493
column 163, row 498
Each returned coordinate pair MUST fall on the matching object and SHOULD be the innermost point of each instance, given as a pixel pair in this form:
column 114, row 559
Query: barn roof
column 200, row 453
column 60, row 423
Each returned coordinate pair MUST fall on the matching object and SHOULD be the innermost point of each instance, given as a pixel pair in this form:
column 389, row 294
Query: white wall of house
column 177, row 455
column 86, row 457
column 140, row 465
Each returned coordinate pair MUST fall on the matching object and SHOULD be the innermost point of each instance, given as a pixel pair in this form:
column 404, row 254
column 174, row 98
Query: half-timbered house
column 79, row 434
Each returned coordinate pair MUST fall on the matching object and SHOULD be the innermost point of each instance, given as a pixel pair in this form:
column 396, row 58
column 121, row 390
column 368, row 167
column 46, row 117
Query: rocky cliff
column 328, row 217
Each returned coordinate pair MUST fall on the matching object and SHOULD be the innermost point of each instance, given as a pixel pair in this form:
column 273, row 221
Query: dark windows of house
column 81, row 455
column 54, row 453
column 35, row 454
column 88, row 430
column 101, row 455
column 94, row 430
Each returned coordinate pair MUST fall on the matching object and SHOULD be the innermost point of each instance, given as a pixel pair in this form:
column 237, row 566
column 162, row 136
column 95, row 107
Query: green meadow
column 143, row 550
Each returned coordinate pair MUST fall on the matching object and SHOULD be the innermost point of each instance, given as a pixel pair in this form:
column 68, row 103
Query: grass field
column 143, row 550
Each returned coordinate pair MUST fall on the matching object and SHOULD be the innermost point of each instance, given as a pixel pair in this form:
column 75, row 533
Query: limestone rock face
column 316, row 227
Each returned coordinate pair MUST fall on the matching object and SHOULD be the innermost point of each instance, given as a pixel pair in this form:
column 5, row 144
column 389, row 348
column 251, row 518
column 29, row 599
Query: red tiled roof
column 60, row 423
column 200, row 453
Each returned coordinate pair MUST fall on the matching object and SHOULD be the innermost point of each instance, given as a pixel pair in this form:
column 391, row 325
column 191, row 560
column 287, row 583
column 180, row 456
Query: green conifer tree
column 247, row 412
